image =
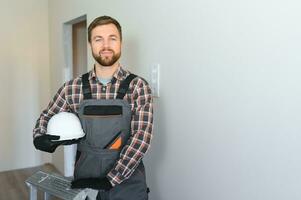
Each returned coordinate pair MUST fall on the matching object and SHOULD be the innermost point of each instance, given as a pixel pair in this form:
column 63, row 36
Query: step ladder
column 53, row 184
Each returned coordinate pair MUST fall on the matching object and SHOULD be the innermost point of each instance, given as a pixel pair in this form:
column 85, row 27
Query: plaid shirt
column 69, row 97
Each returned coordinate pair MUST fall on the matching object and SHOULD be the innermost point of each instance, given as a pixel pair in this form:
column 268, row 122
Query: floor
column 12, row 186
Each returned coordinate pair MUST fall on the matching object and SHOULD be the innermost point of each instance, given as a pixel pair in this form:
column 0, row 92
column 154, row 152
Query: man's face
column 106, row 44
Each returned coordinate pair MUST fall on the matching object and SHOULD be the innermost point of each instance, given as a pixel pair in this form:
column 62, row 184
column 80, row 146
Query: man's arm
column 141, row 135
column 56, row 105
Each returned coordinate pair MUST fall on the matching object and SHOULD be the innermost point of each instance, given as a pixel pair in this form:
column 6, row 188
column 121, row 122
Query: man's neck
column 105, row 71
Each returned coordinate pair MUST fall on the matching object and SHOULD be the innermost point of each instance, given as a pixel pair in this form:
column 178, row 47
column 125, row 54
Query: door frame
column 67, row 71
column 68, row 49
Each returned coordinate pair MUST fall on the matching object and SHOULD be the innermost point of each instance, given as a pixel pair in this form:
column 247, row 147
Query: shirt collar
column 120, row 74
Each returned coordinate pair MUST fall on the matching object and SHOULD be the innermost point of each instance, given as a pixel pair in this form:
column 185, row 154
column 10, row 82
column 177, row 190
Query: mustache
column 111, row 50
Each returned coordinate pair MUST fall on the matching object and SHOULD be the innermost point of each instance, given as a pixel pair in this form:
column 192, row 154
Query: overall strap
column 124, row 86
column 86, row 86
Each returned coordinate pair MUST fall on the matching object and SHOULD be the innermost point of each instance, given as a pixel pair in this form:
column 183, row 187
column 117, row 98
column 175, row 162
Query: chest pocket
column 102, row 124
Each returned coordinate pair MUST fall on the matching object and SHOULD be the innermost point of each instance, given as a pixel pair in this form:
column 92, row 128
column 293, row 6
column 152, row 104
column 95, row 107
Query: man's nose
column 106, row 43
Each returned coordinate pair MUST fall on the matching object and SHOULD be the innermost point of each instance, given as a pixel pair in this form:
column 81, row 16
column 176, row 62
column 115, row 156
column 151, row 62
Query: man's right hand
column 47, row 142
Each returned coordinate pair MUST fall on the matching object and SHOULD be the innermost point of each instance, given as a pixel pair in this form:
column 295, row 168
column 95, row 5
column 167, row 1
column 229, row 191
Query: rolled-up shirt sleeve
column 141, row 135
column 56, row 105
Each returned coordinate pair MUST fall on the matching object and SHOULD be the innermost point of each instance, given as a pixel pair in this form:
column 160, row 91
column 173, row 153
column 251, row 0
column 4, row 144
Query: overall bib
column 107, row 124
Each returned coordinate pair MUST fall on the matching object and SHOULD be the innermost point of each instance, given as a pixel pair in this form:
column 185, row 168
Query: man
column 116, row 113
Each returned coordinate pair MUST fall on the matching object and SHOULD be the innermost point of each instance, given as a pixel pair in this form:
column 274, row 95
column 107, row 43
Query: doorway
column 75, row 50
column 75, row 47
column 79, row 46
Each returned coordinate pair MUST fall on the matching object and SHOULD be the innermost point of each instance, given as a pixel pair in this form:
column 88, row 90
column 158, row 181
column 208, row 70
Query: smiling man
column 116, row 112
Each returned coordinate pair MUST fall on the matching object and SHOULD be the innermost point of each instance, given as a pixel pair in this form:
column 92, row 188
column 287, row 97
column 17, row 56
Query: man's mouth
column 106, row 53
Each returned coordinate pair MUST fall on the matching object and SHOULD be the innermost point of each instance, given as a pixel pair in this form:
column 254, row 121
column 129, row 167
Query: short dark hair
column 103, row 20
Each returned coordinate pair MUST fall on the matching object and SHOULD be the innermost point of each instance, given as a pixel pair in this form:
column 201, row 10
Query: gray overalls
column 107, row 122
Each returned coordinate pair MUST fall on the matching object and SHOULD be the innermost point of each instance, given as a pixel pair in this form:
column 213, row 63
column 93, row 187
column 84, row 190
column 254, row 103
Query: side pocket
column 87, row 166
column 115, row 143
column 97, row 165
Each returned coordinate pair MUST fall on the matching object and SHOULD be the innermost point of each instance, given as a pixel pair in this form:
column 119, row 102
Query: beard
column 107, row 60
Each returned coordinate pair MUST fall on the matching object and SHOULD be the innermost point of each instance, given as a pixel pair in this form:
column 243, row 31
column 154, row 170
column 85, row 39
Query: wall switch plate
column 155, row 79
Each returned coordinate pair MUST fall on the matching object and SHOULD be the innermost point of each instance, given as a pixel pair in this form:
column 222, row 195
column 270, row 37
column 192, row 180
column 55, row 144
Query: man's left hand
column 93, row 183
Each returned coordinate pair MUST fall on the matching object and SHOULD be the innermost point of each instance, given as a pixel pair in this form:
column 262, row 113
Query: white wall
column 24, row 79
column 227, row 123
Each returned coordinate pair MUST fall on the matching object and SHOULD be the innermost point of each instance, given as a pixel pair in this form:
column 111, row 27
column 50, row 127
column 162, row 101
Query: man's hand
column 49, row 143
column 93, row 183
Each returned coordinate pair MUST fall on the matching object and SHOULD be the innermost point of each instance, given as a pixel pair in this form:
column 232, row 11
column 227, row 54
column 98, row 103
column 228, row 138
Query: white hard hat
column 66, row 125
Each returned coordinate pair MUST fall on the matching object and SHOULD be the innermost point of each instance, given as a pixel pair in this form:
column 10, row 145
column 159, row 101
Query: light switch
column 155, row 79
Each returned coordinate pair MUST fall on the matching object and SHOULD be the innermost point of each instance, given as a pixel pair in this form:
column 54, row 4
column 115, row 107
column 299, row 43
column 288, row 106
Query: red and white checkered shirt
column 69, row 97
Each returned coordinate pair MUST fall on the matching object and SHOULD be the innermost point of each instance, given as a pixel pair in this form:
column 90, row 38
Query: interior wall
column 24, row 79
column 227, row 123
